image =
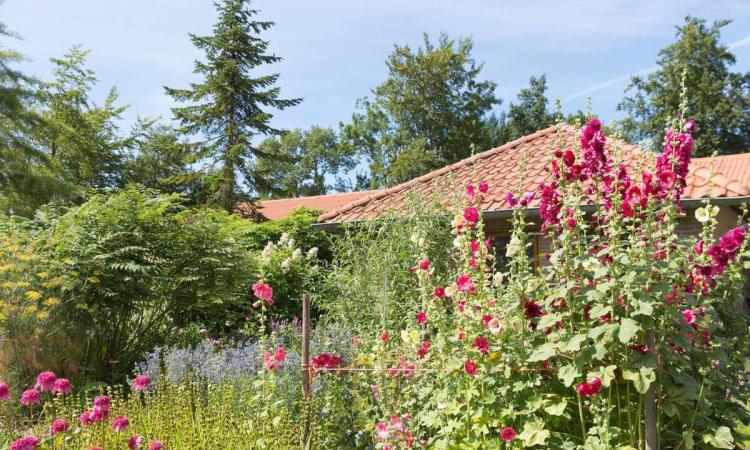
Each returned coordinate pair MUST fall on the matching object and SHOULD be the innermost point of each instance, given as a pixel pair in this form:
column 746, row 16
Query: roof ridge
column 433, row 174
column 335, row 194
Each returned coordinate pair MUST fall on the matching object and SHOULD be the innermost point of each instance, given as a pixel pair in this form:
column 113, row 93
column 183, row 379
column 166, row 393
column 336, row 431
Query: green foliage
column 429, row 112
column 82, row 138
column 530, row 114
column 297, row 225
column 228, row 106
column 718, row 96
column 139, row 266
column 302, row 163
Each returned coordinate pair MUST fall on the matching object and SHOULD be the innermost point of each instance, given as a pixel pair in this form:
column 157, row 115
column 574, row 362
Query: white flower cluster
column 706, row 213
column 286, row 242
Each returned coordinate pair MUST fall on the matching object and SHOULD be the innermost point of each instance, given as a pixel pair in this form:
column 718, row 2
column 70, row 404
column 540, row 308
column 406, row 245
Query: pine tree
column 531, row 113
column 229, row 107
column 25, row 177
column 718, row 99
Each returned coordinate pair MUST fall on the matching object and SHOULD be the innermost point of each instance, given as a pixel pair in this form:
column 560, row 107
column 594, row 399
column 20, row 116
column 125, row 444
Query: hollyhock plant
column 507, row 434
column 264, row 292
column 30, row 397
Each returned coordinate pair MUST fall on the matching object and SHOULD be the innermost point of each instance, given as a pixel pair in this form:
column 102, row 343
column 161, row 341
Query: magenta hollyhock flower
column 120, row 423
column 4, row 392
column 384, row 337
column 45, row 381
column 484, row 187
column 156, row 445
column 590, row 388
column 425, row 264
column 471, row 214
column 326, row 361
column 470, row 366
column 264, row 292
column 510, row 199
column 689, row 316
column 375, row 391
column 142, row 383
column 25, row 443
column 421, row 317
column 276, row 360
column 30, row 397
column 62, row 386
column 482, row 344
column 698, row 249
column 507, row 434
column 59, row 426
column 465, row 284
column 439, row 292
column 86, row 418
column 103, row 402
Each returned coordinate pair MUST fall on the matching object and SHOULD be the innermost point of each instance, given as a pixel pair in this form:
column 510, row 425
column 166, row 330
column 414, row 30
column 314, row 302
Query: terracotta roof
column 278, row 209
column 500, row 167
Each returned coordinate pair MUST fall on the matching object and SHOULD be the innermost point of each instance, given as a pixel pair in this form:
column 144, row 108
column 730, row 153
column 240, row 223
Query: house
column 728, row 184
column 280, row 208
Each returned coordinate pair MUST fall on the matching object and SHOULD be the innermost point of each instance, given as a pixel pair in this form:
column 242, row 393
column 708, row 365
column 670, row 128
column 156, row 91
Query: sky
column 335, row 50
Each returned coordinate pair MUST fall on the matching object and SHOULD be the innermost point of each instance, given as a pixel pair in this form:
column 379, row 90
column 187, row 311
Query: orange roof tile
column 501, row 168
column 278, row 209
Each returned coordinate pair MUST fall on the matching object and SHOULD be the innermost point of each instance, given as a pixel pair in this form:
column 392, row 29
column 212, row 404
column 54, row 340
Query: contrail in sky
column 621, row 79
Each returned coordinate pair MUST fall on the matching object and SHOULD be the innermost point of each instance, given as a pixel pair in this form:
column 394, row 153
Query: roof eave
column 506, row 213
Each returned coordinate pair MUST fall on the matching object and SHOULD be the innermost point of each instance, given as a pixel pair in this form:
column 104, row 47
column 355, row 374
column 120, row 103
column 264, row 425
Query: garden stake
column 650, row 406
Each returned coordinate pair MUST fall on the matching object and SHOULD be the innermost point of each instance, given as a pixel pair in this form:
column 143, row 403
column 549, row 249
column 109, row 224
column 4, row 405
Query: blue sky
column 334, row 50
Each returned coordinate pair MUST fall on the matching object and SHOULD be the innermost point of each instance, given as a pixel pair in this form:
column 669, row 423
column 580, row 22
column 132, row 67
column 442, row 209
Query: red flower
column 425, row 264
column 465, row 284
column 421, row 317
column 590, row 388
column 507, row 434
column 471, row 214
column 482, row 344
column 439, row 292
column 384, row 337
column 483, row 187
column 470, row 367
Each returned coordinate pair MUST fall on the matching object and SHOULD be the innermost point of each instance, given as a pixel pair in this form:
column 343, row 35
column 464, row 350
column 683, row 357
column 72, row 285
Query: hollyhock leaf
column 568, row 373
column 643, row 308
column 607, row 375
column 641, row 379
column 601, row 272
column 593, row 295
column 722, row 438
column 574, row 344
column 534, row 433
column 599, row 310
column 549, row 320
column 596, row 332
column 688, row 439
column 557, row 408
column 628, row 329
column 600, row 352
column 543, row 352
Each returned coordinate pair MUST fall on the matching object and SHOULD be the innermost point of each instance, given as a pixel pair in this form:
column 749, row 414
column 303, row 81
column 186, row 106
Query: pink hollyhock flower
column 590, row 388
column 425, row 264
column 120, row 424
column 465, row 284
column 156, row 445
column 142, row 383
column 439, row 292
column 4, row 392
column 384, row 337
column 59, row 426
column 698, row 247
column 507, row 434
column 62, row 386
column 30, row 397
column 494, row 325
column 689, row 126
column 689, row 316
column 421, row 317
column 45, row 381
column 25, row 443
column 102, row 402
column 264, row 292
column 471, row 214
column 381, row 431
column 482, row 344
column 375, row 391
column 134, row 443
column 470, row 367
column 484, row 187
column 276, row 360
column 86, row 418
column 470, row 192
